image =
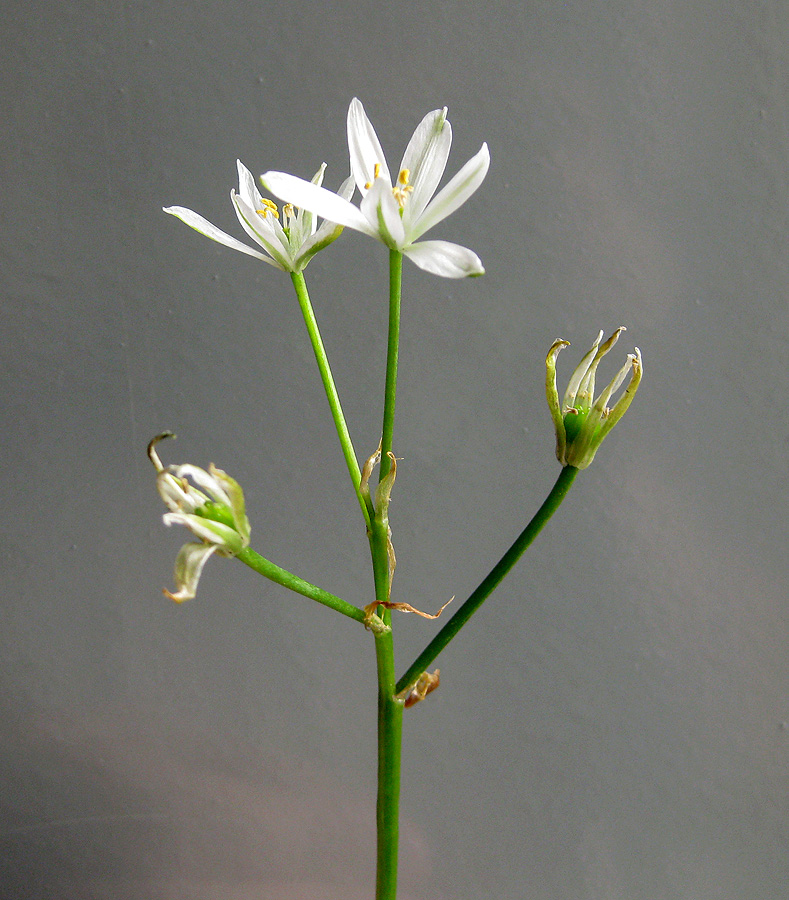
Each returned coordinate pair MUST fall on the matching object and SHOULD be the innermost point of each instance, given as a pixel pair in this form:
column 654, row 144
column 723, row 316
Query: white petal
column 364, row 148
column 571, row 394
column 326, row 234
column 445, row 259
column 225, row 537
column 454, row 194
column 382, row 211
column 188, row 568
column 204, row 480
column 247, row 187
column 317, row 199
column 627, row 369
column 302, row 226
column 586, row 387
column 426, row 158
column 261, row 230
column 317, row 178
column 235, row 494
column 278, row 244
column 347, row 188
column 211, row 231
column 303, row 222
column 177, row 495
column 633, row 363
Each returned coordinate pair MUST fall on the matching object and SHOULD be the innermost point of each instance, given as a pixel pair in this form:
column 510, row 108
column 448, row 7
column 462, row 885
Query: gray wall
column 613, row 726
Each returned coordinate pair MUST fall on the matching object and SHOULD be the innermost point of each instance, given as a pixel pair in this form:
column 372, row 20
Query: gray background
column 613, row 726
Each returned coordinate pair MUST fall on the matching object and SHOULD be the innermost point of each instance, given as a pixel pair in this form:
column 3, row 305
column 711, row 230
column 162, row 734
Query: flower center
column 270, row 208
column 402, row 188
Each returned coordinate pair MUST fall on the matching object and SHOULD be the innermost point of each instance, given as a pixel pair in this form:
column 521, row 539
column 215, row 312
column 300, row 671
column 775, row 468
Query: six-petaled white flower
column 214, row 514
column 581, row 422
column 290, row 239
column 397, row 212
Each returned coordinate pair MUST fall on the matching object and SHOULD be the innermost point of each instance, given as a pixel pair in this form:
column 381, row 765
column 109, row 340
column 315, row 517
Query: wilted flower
column 214, row 514
column 581, row 422
column 290, row 239
column 398, row 211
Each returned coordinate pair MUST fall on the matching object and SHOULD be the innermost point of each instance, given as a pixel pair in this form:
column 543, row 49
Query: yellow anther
column 268, row 207
column 376, row 173
column 288, row 210
column 404, row 177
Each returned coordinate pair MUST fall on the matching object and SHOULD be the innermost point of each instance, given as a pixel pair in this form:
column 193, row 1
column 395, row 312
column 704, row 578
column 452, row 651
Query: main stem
column 390, row 736
column 331, row 391
column 491, row 580
column 390, row 710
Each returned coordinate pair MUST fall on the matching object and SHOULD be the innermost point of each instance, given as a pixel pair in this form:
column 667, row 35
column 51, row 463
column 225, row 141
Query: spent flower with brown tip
column 211, row 505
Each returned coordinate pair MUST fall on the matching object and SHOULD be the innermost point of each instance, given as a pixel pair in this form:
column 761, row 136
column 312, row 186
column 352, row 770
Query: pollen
column 268, row 207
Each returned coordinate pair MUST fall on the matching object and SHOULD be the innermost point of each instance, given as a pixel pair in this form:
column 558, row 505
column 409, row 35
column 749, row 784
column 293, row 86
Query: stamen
column 376, row 174
column 403, row 188
column 268, row 207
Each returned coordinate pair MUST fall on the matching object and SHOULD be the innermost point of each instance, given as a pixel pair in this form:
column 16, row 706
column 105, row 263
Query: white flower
column 581, row 422
column 215, row 514
column 397, row 213
column 289, row 241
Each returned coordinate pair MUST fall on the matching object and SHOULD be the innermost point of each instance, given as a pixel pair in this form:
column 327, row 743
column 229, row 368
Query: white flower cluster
column 396, row 211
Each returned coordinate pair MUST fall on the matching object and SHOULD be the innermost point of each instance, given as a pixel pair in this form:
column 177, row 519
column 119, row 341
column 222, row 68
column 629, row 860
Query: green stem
column 390, row 709
column 331, row 391
column 390, row 736
column 491, row 581
column 390, row 390
column 299, row 585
